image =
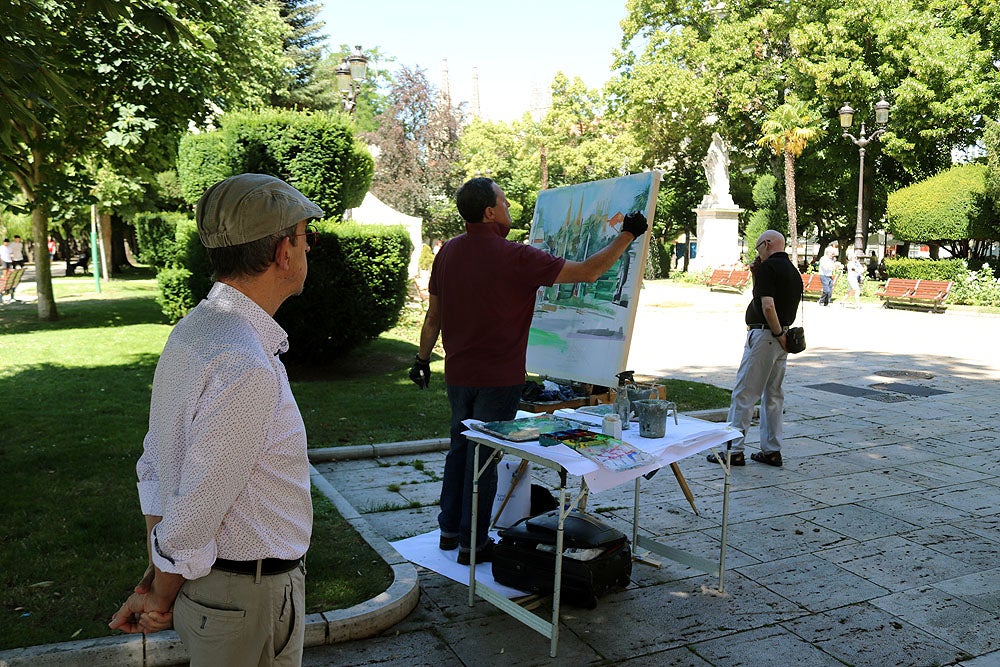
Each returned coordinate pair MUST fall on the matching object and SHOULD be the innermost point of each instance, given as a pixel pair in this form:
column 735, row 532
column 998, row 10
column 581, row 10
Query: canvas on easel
column 582, row 331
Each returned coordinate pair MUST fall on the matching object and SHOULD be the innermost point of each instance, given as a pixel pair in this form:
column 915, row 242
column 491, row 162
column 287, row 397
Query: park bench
column 728, row 279
column 812, row 286
column 80, row 259
column 908, row 293
column 9, row 280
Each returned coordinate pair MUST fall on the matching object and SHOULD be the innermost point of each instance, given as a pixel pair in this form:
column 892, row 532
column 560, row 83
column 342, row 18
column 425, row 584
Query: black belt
column 268, row 566
column 758, row 326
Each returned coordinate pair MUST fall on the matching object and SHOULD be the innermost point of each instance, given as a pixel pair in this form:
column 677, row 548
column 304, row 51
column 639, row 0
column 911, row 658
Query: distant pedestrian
column 777, row 291
column 5, row 261
column 873, row 266
column 16, row 253
column 854, row 272
column 52, row 248
column 827, row 266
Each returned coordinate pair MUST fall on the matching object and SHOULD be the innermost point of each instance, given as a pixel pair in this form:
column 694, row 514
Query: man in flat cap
column 224, row 477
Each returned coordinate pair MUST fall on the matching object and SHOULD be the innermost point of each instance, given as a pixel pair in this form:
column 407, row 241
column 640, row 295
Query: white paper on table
column 686, row 438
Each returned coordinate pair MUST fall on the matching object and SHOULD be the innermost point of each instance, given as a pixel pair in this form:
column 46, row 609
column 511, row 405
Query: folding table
column 688, row 437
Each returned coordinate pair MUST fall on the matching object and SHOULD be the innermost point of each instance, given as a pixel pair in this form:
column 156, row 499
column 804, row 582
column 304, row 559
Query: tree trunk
column 43, row 268
column 793, row 232
column 544, row 159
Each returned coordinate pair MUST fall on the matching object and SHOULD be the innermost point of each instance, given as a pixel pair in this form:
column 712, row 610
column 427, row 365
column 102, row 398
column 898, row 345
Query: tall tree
column 131, row 75
column 303, row 49
column 417, row 142
column 787, row 131
column 738, row 62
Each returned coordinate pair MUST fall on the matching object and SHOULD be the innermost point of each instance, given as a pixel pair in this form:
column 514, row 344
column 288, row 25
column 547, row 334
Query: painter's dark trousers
column 486, row 404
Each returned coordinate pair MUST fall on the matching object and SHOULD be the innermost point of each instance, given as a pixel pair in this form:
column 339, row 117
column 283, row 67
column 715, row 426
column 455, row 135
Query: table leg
column 475, row 514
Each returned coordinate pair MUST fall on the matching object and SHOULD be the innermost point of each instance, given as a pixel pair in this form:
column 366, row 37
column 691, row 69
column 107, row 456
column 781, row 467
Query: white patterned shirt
column 224, row 462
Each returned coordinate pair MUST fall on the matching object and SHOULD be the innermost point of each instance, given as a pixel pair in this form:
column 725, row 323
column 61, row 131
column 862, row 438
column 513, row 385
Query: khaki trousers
column 231, row 620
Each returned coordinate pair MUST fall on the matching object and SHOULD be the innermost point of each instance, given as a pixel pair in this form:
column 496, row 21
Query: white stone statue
column 716, row 165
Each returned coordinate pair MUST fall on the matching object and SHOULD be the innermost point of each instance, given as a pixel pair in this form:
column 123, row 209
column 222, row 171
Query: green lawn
column 77, row 400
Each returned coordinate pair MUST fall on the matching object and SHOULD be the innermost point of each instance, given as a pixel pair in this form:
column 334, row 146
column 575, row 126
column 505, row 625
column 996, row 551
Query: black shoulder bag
column 795, row 337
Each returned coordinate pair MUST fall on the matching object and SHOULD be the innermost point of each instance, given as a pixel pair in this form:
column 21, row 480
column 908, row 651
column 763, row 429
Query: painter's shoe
column 448, row 543
column 484, row 554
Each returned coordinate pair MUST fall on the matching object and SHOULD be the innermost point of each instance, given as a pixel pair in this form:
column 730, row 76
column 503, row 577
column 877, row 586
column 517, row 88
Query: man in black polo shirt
column 777, row 290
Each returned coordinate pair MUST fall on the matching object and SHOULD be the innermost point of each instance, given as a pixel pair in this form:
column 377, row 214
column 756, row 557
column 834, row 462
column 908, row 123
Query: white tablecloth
column 688, row 437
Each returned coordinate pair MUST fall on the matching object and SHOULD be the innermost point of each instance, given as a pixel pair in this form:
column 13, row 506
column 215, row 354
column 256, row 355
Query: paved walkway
column 875, row 544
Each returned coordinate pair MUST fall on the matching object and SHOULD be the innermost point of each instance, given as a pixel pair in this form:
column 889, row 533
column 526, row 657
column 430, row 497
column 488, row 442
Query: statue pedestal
column 718, row 237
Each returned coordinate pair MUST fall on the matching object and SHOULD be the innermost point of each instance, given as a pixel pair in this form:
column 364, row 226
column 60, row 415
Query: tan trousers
column 229, row 619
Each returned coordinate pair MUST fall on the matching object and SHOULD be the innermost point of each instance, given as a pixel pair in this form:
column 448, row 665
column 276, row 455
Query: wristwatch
column 779, row 334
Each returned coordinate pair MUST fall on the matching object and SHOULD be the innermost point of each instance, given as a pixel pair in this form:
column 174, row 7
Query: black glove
column 420, row 372
column 635, row 223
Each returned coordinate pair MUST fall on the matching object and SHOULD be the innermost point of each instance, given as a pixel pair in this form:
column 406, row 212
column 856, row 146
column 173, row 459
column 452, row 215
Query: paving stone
column 668, row 519
column 935, row 475
column 987, row 462
column 970, row 548
column 403, row 523
column 884, row 456
column 788, row 535
column 812, row 582
column 657, row 618
column 760, row 647
column 987, row 526
column 948, row 617
column 758, row 503
column 845, row 489
column 862, row 634
column 414, row 649
column 704, row 544
column 504, row 641
column 893, row 562
column 678, row 657
column 972, row 497
column 915, row 508
column 860, row 523
column 981, row 589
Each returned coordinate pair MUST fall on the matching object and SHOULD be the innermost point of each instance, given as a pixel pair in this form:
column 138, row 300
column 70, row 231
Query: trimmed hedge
column 315, row 152
column 950, row 206
column 355, row 290
column 926, row 269
column 156, row 236
column 202, row 161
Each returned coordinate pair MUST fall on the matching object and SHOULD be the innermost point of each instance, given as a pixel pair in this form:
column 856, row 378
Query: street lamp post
column 350, row 72
column 846, row 120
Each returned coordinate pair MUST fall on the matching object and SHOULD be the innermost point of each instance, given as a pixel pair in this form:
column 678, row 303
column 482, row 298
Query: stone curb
column 165, row 648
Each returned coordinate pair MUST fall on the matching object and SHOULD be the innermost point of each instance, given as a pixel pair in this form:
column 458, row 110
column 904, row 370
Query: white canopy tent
column 373, row 211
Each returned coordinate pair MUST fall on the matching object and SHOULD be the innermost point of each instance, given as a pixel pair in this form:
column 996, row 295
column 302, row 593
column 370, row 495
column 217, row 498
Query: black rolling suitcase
column 596, row 557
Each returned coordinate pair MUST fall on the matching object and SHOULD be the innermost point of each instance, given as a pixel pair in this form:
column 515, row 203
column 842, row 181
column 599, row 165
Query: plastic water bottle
column 623, row 408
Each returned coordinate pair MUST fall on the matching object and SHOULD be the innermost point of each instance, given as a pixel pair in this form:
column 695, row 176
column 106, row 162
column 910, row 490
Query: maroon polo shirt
column 486, row 288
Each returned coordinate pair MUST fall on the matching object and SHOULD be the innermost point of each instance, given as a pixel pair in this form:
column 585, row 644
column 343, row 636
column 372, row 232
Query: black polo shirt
column 777, row 278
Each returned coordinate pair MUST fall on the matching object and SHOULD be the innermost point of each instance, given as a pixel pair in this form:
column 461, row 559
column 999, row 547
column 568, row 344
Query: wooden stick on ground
column 515, row 478
column 684, row 485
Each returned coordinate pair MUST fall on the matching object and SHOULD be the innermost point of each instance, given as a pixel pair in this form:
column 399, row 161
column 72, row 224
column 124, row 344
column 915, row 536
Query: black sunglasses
column 311, row 234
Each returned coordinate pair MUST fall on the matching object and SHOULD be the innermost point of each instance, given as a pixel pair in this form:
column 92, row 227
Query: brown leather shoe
column 772, row 459
column 735, row 458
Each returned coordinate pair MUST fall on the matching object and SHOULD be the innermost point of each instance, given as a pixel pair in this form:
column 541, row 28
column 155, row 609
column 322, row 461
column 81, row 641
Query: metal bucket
column 653, row 417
